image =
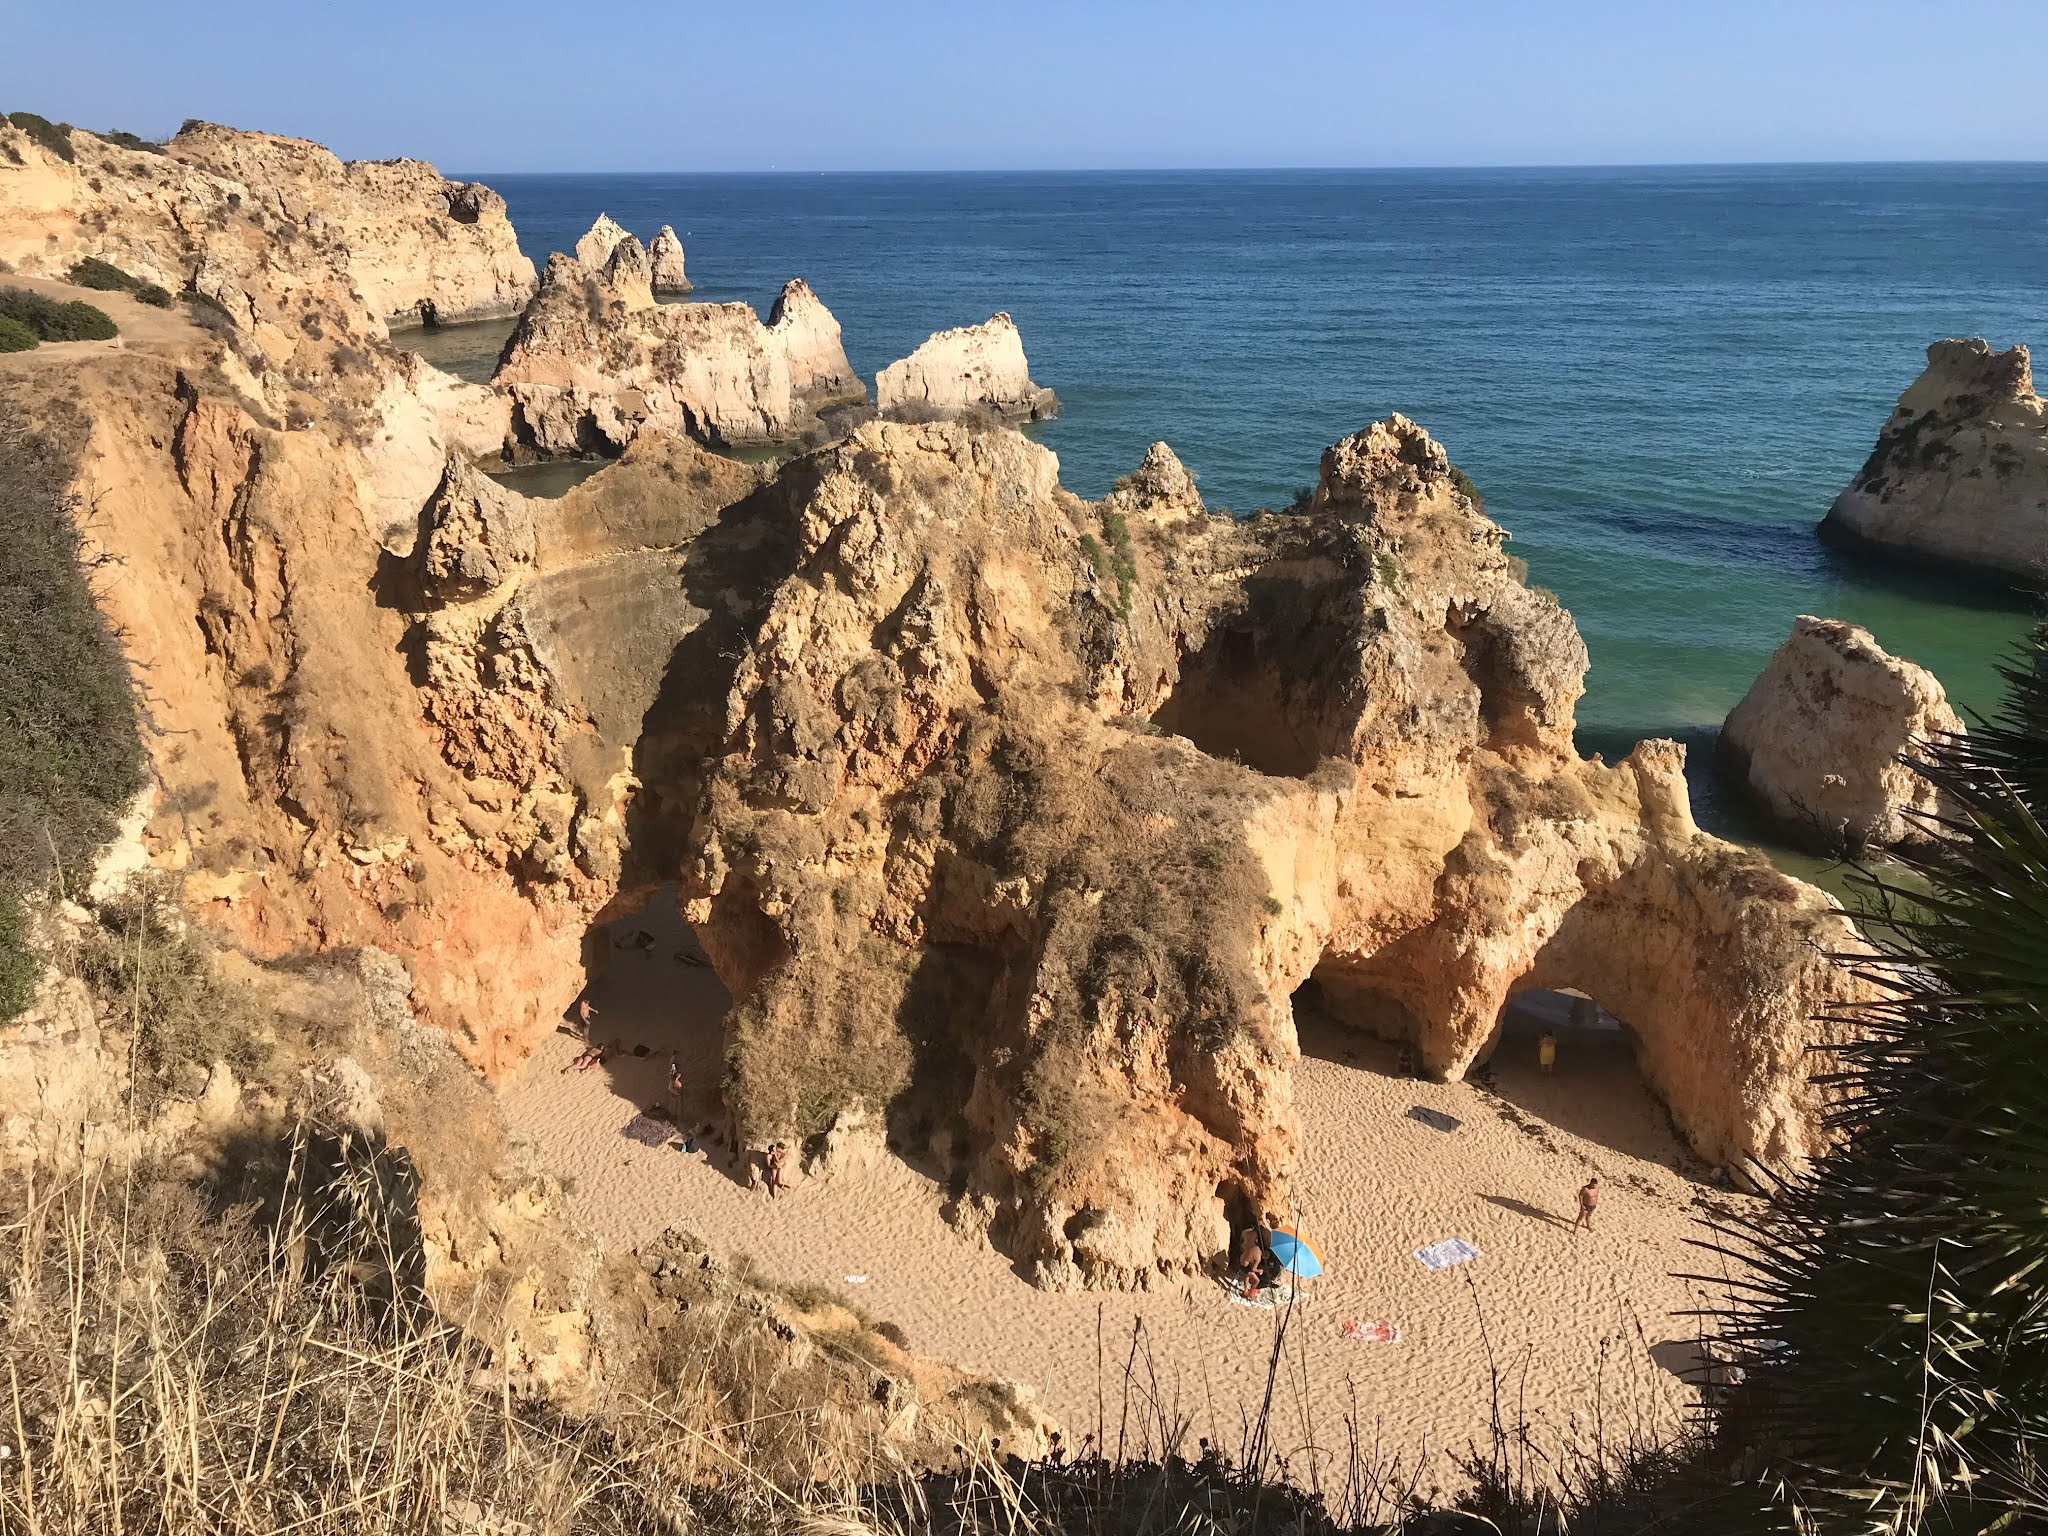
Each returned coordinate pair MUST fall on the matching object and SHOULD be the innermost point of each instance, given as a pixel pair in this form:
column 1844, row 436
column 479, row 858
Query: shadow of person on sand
column 1523, row 1208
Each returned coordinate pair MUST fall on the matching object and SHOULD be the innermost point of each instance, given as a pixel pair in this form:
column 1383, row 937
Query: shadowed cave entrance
column 656, row 1001
column 1596, row 1089
column 1231, row 702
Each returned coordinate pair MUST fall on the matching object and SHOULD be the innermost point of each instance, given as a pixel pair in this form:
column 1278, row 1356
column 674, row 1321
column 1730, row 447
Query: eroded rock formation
column 597, row 243
column 1960, row 471
column 666, row 255
column 1824, row 735
column 970, row 368
column 595, row 362
column 1013, row 822
column 409, row 241
column 1033, row 815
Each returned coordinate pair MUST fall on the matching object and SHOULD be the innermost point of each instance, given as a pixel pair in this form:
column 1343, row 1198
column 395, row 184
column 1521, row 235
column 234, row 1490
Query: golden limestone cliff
column 1013, row 822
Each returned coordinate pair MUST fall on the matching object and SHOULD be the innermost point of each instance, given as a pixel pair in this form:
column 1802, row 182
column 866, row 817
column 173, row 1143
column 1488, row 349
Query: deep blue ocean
column 1658, row 378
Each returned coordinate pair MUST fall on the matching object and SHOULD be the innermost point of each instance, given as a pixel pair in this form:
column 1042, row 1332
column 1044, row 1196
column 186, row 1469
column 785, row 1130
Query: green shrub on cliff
column 108, row 278
column 16, row 337
column 55, row 137
column 101, row 275
column 55, row 320
column 70, row 750
column 1898, row 1337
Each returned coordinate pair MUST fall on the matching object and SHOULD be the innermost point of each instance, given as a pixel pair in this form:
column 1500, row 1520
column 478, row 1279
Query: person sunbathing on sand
column 594, row 1055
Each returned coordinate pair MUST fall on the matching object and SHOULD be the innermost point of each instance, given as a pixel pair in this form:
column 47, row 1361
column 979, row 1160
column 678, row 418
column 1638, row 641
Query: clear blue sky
column 913, row 84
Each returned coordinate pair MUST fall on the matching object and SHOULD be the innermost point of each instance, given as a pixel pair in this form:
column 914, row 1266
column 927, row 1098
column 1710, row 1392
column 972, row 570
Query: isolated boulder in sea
column 970, row 368
column 666, row 256
column 599, row 241
column 595, row 361
column 1823, row 735
column 1959, row 475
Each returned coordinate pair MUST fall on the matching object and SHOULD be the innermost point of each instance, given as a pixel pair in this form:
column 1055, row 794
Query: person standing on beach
column 1589, row 1200
column 777, row 1156
column 1546, row 1051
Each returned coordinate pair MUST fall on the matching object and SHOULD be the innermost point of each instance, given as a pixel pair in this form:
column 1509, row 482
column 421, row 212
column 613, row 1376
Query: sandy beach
column 1580, row 1334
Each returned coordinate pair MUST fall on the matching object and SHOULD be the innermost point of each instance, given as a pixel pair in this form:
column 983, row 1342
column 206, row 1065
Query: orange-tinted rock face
column 1035, row 814
column 1012, row 822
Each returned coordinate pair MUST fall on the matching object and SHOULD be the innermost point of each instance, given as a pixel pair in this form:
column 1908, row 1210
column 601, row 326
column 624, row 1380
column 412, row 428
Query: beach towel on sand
column 648, row 1131
column 1435, row 1119
column 1452, row 1250
column 1370, row 1332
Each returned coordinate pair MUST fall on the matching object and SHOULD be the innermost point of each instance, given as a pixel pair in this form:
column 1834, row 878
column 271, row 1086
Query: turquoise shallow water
column 1658, row 378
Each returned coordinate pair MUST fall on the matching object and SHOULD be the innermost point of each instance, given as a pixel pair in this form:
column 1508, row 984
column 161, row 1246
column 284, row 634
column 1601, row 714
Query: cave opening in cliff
column 1231, row 702
column 656, row 1008
column 1594, row 1087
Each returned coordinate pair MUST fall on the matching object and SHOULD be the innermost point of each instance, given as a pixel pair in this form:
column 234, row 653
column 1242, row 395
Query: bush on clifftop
column 55, row 137
column 105, row 277
column 53, row 320
column 16, row 337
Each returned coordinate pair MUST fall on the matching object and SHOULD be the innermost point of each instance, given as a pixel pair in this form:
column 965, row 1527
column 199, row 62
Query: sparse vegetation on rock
column 56, row 319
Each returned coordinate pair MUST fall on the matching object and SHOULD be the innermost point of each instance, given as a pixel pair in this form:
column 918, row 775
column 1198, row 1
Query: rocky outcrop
column 595, row 248
column 807, row 335
column 419, row 247
column 1014, row 823
column 666, row 256
column 595, row 362
column 971, row 368
column 1959, row 475
column 1033, row 816
column 1825, row 733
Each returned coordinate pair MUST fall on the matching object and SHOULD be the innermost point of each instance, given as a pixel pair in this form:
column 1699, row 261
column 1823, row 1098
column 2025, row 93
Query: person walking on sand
column 1589, row 1200
column 1546, row 1051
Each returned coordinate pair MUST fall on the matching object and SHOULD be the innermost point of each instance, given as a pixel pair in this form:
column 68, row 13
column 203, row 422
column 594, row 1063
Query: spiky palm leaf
column 1897, row 1331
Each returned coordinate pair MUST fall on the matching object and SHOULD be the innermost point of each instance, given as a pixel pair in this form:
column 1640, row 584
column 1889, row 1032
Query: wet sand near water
column 1580, row 1329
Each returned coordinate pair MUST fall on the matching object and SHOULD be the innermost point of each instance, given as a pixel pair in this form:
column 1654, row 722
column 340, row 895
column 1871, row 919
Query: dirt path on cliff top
column 1581, row 1328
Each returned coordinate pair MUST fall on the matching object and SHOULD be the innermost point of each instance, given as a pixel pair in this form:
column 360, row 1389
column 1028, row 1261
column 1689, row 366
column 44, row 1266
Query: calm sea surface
column 1658, row 378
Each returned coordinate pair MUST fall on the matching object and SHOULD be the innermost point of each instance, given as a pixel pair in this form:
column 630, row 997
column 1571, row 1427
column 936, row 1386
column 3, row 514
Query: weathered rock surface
column 1012, row 822
column 1823, row 735
column 1960, row 472
column 595, row 248
column 1029, row 834
column 666, row 255
column 419, row 246
column 595, row 361
column 970, row 368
